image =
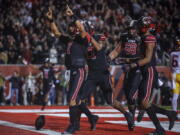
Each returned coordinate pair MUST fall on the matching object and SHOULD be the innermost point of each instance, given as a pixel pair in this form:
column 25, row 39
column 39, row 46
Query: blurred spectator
column 53, row 56
column 52, row 95
column 25, row 37
column 58, row 89
column 63, row 80
column 156, row 95
column 39, row 91
column 29, row 90
column 2, row 85
column 15, row 86
column 166, row 91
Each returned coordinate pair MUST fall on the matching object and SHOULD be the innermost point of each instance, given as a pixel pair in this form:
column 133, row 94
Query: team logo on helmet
column 145, row 21
column 145, row 24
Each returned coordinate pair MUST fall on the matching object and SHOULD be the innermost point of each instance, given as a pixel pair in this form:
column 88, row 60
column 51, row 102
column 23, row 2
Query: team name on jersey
column 131, row 47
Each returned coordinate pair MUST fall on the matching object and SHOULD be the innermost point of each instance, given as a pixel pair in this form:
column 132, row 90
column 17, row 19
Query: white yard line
column 104, row 113
column 149, row 124
column 50, row 110
column 29, row 128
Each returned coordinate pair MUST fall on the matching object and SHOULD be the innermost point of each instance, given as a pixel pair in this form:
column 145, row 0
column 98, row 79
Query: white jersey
column 175, row 61
column 30, row 83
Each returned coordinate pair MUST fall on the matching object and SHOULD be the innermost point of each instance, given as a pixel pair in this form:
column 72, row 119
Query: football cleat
column 93, row 121
column 130, row 121
column 172, row 118
column 158, row 132
column 70, row 130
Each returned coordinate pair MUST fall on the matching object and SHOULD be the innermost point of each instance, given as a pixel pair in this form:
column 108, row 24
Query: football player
column 175, row 68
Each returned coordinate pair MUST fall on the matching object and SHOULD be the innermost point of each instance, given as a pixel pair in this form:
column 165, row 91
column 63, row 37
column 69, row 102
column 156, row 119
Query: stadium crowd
column 24, row 37
column 28, row 90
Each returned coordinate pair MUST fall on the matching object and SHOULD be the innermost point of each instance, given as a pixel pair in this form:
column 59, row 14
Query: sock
column 132, row 109
column 152, row 115
column 174, row 102
column 85, row 110
column 79, row 114
column 73, row 113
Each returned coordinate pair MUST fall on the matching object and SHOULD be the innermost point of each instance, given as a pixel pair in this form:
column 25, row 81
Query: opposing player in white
column 175, row 68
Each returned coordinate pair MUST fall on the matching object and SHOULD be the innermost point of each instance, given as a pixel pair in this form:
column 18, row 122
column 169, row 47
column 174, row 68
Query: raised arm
column 96, row 44
column 53, row 26
column 82, row 30
column 77, row 22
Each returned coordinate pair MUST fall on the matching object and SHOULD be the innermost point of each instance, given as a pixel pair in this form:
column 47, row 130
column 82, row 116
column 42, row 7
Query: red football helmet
column 145, row 24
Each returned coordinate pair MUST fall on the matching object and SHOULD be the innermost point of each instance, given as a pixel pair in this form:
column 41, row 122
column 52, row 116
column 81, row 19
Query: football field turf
column 19, row 120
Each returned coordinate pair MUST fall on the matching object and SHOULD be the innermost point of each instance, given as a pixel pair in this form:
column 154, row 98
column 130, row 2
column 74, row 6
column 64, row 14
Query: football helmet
column 88, row 25
column 145, row 24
